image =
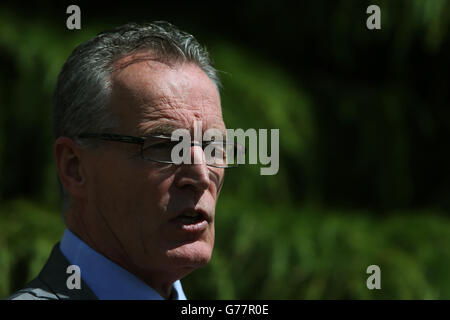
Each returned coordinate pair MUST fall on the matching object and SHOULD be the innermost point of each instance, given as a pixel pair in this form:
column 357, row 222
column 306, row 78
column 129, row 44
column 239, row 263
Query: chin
column 191, row 255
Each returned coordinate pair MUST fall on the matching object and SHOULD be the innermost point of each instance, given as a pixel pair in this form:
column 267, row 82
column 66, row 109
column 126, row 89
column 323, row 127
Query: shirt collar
column 105, row 278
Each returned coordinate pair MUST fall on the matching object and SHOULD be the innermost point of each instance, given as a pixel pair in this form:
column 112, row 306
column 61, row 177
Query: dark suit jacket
column 50, row 284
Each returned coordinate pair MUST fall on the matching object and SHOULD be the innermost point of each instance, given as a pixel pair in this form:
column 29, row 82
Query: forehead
column 151, row 96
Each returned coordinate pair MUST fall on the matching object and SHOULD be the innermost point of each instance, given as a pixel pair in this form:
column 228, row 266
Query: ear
column 68, row 157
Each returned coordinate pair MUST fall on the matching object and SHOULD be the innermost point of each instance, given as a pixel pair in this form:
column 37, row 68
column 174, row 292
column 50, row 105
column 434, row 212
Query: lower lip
column 195, row 227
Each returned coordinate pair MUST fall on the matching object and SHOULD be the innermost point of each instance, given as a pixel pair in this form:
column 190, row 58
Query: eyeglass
column 158, row 148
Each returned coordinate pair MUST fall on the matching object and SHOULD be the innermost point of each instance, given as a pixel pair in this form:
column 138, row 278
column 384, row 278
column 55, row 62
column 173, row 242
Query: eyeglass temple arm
column 113, row 137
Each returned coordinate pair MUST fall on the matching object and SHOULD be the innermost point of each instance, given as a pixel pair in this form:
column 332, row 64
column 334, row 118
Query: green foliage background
column 364, row 126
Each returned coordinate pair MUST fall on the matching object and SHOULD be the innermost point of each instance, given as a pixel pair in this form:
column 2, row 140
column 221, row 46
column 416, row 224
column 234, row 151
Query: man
column 136, row 222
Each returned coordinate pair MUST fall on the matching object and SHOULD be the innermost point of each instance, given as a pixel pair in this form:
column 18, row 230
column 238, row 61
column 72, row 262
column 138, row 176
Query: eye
column 158, row 149
column 217, row 150
column 160, row 145
column 157, row 143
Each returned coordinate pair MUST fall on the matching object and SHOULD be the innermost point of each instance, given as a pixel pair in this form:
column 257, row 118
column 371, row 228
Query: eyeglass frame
column 141, row 141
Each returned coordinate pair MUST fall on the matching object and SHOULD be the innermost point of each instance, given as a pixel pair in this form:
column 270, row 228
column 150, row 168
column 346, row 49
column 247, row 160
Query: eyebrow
column 166, row 129
column 162, row 129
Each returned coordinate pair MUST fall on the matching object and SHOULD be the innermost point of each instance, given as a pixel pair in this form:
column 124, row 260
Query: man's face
column 137, row 202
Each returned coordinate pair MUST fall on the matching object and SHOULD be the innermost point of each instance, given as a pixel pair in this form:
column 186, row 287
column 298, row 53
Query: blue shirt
column 106, row 279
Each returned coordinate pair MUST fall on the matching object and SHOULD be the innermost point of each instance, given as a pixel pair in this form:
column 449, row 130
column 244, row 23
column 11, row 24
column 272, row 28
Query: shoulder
column 35, row 290
column 50, row 284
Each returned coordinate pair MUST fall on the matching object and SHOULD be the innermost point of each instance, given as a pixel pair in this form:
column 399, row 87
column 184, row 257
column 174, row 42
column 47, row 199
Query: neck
column 108, row 246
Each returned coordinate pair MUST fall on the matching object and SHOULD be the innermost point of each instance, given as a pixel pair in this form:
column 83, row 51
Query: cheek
column 216, row 186
column 126, row 193
column 118, row 200
column 154, row 187
column 151, row 194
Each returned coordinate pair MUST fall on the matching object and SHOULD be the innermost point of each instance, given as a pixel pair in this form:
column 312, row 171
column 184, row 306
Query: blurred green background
column 364, row 123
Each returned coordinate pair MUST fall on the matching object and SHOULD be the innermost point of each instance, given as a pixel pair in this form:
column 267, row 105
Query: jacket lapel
column 54, row 275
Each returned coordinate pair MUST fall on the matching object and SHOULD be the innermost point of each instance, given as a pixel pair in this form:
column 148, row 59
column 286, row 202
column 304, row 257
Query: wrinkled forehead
column 149, row 96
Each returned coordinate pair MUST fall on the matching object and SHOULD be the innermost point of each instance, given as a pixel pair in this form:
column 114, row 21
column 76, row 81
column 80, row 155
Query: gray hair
column 83, row 89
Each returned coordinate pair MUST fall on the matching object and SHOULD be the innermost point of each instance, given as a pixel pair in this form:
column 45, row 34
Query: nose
column 196, row 174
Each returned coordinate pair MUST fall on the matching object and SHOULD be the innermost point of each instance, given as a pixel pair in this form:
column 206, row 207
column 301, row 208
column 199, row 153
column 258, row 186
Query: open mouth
column 191, row 220
column 191, row 217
